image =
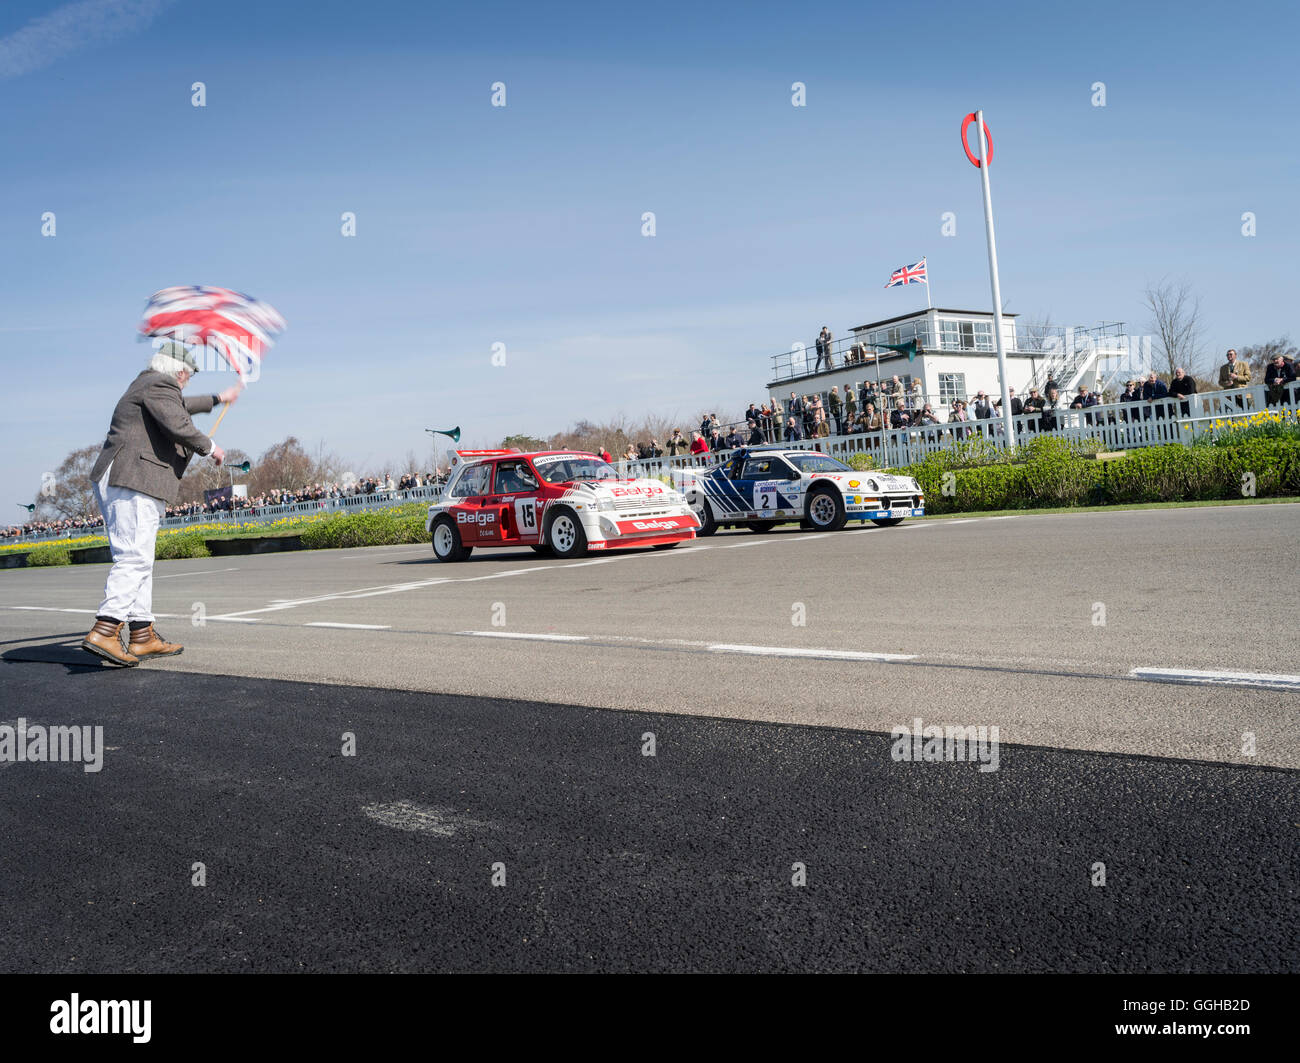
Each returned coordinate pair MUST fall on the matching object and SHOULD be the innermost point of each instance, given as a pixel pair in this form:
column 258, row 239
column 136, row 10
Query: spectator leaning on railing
column 1153, row 391
column 1276, row 377
column 1180, row 387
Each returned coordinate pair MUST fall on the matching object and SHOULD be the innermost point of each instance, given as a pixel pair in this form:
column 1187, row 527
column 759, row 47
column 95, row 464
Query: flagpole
column 220, row 418
column 1008, row 426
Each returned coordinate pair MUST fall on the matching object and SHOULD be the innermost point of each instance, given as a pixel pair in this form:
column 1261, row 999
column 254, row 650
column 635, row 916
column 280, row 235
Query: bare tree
column 1261, row 354
column 68, row 492
column 326, row 465
column 1176, row 321
column 205, row 476
column 1033, row 333
column 286, row 466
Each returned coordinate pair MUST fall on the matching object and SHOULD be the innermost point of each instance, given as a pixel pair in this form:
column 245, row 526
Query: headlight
column 873, row 485
column 605, row 505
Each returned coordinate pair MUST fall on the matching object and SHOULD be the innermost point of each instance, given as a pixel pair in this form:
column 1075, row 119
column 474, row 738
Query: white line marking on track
column 159, row 616
column 1269, row 681
column 525, row 635
column 201, row 572
column 358, row 627
column 800, row 651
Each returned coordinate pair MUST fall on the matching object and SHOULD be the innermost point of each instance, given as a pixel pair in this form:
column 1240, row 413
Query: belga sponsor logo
column 654, row 525
column 649, row 489
column 102, row 1016
column 481, row 517
column 930, row 743
column 25, row 743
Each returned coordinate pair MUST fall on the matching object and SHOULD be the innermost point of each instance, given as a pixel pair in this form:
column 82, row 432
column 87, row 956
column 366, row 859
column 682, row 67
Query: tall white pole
column 1008, row 426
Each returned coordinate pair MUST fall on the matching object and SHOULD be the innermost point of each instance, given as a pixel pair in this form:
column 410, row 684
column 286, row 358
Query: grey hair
column 169, row 366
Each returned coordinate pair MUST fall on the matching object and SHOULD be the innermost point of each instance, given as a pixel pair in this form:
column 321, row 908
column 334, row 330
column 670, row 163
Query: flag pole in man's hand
column 227, row 397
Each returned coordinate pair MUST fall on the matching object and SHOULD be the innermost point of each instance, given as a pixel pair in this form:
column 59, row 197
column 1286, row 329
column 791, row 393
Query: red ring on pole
column 988, row 139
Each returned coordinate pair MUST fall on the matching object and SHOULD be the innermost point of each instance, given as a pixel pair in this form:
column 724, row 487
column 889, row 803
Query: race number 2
column 526, row 515
column 765, row 496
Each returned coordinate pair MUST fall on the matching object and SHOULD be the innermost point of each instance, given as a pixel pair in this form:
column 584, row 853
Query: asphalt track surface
column 520, row 744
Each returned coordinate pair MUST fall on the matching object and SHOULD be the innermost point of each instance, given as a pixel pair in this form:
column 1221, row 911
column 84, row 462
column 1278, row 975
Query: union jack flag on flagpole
column 237, row 326
column 913, row 274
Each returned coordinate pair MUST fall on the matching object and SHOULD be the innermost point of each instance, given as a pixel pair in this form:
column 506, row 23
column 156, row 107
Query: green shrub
column 1049, row 471
column 861, row 462
column 380, row 528
column 48, row 554
column 175, row 547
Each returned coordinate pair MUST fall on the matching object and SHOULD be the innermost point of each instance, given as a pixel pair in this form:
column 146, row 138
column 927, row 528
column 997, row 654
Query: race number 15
column 526, row 514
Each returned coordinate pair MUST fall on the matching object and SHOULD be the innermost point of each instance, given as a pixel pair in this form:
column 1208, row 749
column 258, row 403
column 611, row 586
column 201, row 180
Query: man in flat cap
column 150, row 442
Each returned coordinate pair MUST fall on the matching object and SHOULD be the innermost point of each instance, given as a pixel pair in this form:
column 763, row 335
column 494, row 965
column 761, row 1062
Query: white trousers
column 131, row 520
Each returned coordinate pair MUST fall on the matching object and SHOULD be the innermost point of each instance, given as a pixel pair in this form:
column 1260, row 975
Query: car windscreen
column 563, row 468
column 816, row 463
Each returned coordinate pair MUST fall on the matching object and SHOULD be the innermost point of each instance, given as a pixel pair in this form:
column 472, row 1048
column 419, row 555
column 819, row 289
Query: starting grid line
column 1262, row 680
column 1247, row 680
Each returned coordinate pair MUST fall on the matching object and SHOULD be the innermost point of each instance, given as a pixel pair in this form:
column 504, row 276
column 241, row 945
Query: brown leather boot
column 146, row 642
column 105, row 640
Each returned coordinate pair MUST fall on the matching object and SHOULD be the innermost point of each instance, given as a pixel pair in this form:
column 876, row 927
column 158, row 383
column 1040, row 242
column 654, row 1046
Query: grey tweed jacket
column 151, row 438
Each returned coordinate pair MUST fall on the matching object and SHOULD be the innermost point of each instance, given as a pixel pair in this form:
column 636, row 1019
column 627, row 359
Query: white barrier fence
column 1117, row 426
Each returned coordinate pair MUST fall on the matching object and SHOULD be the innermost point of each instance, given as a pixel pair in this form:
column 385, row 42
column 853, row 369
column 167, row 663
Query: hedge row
column 385, row 527
column 48, row 554
column 175, row 547
column 1056, row 475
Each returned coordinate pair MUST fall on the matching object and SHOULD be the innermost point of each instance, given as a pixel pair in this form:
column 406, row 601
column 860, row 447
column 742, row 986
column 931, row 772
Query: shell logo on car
column 556, row 502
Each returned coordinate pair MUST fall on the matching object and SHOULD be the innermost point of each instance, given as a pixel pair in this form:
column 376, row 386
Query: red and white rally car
column 558, row 501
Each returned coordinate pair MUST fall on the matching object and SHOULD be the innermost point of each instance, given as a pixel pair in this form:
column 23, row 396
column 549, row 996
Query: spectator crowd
column 378, row 487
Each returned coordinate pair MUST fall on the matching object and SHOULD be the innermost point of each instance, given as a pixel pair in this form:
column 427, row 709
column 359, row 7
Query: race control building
column 958, row 357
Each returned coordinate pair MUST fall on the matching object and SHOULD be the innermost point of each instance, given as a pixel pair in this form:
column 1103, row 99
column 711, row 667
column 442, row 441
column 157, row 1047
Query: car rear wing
column 460, row 456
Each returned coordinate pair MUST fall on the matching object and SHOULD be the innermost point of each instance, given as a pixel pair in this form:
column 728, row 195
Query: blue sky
column 522, row 225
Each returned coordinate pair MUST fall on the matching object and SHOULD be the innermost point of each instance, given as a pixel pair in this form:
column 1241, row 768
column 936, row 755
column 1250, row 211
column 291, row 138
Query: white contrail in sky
column 69, row 29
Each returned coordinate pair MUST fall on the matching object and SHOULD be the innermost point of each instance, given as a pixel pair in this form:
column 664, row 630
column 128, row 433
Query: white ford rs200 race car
column 760, row 487
column 558, row 502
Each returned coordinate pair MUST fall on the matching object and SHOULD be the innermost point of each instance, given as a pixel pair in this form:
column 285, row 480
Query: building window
column 966, row 335
column 951, row 386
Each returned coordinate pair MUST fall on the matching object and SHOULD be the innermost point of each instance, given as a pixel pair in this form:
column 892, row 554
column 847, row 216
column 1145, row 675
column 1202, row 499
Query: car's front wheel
column 826, row 509
column 565, row 536
column 708, row 526
column 446, row 541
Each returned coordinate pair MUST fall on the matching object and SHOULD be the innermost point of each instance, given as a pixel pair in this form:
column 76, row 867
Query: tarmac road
column 480, row 698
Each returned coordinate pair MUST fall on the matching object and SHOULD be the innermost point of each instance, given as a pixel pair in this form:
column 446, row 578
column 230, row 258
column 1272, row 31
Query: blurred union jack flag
column 237, row 326
column 914, row 274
